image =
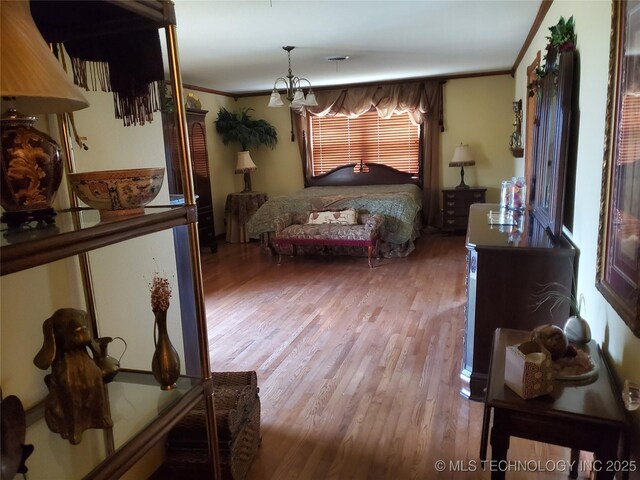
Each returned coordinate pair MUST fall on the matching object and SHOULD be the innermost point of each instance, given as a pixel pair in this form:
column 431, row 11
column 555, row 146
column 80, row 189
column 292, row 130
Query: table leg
column 485, row 432
column 604, row 460
column 499, row 447
column 575, row 461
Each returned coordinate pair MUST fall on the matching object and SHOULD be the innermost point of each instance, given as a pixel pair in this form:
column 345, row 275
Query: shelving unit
column 150, row 412
column 80, row 230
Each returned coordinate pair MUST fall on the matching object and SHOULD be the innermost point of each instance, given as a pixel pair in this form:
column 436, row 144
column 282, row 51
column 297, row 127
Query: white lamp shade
column 298, row 99
column 462, row 156
column 311, row 99
column 244, row 162
column 30, row 71
column 275, row 100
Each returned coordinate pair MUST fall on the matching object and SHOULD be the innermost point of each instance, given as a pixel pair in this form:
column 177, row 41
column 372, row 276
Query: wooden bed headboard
column 378, row 174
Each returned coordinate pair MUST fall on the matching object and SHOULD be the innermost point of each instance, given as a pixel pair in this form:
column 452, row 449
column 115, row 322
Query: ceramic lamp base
column 31, row 171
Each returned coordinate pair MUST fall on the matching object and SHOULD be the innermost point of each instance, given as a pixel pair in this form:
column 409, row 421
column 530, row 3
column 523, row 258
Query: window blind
column 629, row 131
column 199, row 157
column 336, row 141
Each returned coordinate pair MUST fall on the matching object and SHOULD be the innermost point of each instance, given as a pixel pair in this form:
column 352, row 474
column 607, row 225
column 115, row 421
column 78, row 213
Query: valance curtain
column 423, row 101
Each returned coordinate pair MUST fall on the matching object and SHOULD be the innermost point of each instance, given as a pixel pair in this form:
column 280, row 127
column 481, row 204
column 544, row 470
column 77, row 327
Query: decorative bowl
column 117, row 192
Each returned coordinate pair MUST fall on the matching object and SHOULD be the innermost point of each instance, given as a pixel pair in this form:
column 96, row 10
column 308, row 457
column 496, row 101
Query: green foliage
column 562, row 39
column 562, row 34
column 239, row 127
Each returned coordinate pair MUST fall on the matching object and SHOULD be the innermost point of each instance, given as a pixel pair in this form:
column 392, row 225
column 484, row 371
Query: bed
column 382, row 189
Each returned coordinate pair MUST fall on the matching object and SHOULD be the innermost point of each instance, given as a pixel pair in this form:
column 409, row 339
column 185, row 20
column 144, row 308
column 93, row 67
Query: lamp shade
column 298, row 98
column 244, row 162
column 462, row 157
column 275, row 100
column 30, row 71
column 311, row 99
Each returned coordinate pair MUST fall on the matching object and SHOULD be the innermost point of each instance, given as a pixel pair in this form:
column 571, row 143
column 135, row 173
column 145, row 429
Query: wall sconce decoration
column 515, row 142
column 462, row 158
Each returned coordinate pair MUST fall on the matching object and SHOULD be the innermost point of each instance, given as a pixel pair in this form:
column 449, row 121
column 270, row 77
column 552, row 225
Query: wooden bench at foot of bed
column 292, row 229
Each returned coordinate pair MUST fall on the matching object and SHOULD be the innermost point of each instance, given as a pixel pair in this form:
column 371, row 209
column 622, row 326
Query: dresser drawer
column 463, row 198
column 457, row 211
column 455, row 223
column 478, row 196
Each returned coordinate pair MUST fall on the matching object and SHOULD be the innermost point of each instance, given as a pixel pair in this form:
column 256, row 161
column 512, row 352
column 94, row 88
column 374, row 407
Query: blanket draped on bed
column 398, row 203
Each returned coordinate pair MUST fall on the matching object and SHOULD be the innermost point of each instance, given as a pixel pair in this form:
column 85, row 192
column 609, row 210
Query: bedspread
column 398, row 203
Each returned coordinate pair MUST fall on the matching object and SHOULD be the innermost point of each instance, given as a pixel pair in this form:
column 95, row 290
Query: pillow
column 344, row 217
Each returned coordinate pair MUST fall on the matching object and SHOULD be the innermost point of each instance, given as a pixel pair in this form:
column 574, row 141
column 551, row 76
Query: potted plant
column 239, row 127
column 562, row 39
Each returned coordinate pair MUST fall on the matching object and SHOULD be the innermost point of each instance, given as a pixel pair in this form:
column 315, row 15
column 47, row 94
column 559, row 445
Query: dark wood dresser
column 506, row 269
column 455, row 206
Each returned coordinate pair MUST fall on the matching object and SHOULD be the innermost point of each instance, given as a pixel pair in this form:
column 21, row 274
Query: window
column 337, row 141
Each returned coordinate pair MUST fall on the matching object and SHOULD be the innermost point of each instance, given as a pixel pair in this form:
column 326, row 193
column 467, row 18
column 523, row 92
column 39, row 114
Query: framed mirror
column 618, row 269
column 551, row 135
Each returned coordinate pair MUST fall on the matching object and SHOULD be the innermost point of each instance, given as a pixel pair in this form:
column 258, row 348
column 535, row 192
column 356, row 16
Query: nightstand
column 239, row 208
column 455, row 206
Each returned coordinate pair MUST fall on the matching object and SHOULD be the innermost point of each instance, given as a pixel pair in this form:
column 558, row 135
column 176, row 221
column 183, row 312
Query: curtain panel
column 423, row 101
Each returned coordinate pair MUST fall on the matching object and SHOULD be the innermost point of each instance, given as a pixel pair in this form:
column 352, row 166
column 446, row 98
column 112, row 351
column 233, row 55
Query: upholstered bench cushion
column 328, row 231
column 292, row 229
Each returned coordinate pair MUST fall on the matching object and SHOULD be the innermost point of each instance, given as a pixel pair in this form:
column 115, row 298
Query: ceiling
column 236, row 46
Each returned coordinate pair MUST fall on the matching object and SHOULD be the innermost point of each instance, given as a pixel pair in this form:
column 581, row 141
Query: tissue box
column 528, row 370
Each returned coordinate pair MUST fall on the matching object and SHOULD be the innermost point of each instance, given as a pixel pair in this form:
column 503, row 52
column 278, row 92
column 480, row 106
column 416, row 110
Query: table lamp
column 244, row 164
column 462, row 158
column 31, row 81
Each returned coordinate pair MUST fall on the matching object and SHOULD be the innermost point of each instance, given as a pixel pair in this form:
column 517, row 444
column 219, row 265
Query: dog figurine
column 77, row 397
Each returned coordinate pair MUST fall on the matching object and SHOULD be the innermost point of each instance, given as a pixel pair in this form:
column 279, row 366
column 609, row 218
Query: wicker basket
column 236, row 456
column 238, row 427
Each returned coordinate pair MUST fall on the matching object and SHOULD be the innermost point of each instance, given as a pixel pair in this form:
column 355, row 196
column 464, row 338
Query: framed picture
column 618, row 272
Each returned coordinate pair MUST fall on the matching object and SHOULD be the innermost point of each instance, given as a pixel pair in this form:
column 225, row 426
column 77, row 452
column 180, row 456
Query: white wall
column 478, row 112
column 593, row 26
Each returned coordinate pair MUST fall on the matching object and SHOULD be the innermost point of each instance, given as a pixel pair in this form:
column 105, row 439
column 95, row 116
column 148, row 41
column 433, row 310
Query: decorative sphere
column 552, row 338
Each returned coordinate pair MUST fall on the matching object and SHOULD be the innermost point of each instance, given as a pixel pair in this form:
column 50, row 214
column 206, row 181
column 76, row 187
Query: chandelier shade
column 294, row 92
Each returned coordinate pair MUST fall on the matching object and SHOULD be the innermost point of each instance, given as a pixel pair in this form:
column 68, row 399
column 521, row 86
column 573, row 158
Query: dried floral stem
column 160, row 294
column 557, row 294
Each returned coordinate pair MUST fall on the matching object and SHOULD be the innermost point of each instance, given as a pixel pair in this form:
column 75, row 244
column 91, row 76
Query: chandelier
column 295, row 95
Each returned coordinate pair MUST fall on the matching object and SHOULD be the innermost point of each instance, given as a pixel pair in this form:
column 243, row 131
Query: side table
column 238, row 209
column 455, row 206
column 576, row 415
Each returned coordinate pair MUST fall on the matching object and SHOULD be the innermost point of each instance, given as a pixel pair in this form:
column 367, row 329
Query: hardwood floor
column 357, row 367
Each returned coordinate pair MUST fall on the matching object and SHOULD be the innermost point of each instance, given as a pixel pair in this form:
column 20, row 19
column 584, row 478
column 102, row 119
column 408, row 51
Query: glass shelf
column 79, row 230
column 139, row 409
